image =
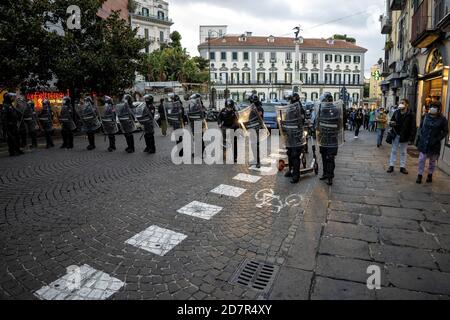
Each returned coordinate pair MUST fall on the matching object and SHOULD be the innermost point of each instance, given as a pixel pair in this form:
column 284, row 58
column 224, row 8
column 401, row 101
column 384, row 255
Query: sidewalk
column 371, row 218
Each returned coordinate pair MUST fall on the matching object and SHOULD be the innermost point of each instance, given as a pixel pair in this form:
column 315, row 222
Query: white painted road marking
column 156, row 240
column 229, row 191
column 247, row 178
column 200, row 210
column 262, row 169
column 82, row 283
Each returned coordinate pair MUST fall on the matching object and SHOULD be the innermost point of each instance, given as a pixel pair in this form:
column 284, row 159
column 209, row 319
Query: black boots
column 430, row 178
column 419, row 179
column 91, row 139
column 404, row 171
column 112, row 143
column 130, row 143
column 390, row 170
column 150, row 144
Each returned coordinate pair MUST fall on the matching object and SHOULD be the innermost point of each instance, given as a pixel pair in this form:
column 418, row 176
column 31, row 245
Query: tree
column 344, row 37
column 102, row 57
column 26, row 48
column 176, row 40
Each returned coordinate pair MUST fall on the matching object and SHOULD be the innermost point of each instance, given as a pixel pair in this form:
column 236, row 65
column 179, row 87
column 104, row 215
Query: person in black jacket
column 433, row 129
column 228, row 120
column 10, row 124
column 162, row 118
column 403, row 124
column 254, row 99
column 359, row 119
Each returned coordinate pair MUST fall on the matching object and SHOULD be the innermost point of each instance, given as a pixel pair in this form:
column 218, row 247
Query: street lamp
column 210, row 32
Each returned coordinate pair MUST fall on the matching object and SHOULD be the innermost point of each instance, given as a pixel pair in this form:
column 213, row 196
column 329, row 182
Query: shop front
column 55, row 99
column 433, row 85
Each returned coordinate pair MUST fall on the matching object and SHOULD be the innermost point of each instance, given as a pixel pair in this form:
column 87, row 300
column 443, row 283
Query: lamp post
column 210, row 32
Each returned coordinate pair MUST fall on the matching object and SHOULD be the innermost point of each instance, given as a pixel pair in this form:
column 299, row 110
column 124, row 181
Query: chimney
column 248, row 33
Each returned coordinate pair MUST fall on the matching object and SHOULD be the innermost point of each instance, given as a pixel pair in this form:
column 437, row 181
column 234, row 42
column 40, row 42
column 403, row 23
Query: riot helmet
column 254, row 98
column 66, row 101
column 46, row 103
column 229, row 104
column 294, row 98
column 195, row 96
column 108, row 100
column 30, row 104
column 8, row 98
column 128, row 99
column 88, row 100
column 148, row 98
column 326, row 97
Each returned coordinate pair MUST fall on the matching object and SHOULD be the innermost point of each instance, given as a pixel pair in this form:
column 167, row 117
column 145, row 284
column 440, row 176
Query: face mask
column 433, row 111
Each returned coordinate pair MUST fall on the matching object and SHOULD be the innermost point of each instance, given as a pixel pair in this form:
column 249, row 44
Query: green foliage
column 344, row 37
column 172, row 63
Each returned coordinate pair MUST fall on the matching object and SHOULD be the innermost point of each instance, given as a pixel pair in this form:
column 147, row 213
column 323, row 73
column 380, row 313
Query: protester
column 372, row 121
column 381, row 120
column 359, row 119
column 403, row 126
column 433, row 129
column 162, row 118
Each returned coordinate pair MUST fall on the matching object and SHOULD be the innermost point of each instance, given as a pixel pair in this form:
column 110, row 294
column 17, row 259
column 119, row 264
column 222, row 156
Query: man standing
column 67, row 123
column 46, row 121
column 403, row 124
column 146, row 118
column 228, row 120
column 126, row 119
column 359, row 119
column 162, row 118
column 254, row 100
column 10, row 124
column 197, row 113
column 330, row 134
column 108, row 118
column 28, row 125
column 381, row 119
column 89, row 118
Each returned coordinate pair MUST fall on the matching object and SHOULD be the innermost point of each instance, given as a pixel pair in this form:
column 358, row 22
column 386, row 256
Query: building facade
column 114, row 5
column 271, row 65
column 151, row 18
column 417, row 56
column 213, row 31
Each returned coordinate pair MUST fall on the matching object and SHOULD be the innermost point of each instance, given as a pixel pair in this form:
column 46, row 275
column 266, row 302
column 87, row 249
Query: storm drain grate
column 255, row 275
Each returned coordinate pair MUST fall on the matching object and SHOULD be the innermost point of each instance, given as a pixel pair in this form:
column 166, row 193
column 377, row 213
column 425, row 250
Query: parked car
column 270, row 115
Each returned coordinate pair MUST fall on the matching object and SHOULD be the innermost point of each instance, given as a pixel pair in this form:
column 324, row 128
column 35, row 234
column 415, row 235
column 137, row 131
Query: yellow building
column 375, row 93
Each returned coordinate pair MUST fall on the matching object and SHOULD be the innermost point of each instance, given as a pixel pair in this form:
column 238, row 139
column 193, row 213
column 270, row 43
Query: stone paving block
column 403, row 256
column 341, row 216
column 438, row 217
column 331, row 289
column 443, row 260
column 302, row 254
column 382, row 201
column 354, row 208
column 408, row 238
column 347, row 269
column 345, row 247
column 444, row 240
column 389, row 223
column 437, row 228
column 402, row 213
column 417, row 196
column 358, row 232
column 421, row 205
column 291, row 284
column 417, row 279
column 400, row 294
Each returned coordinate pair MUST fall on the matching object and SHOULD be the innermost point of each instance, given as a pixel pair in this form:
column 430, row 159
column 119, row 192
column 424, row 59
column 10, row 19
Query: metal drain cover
column 256, row 275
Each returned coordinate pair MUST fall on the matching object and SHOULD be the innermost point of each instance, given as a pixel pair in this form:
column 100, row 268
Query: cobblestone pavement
column 147, row 229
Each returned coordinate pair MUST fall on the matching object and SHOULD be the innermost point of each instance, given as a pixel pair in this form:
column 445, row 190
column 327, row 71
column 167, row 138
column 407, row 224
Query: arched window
column 161, row 15
column 314, row 96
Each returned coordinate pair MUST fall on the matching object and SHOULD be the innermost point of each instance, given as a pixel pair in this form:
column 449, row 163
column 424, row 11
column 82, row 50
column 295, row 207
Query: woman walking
column 433, row 129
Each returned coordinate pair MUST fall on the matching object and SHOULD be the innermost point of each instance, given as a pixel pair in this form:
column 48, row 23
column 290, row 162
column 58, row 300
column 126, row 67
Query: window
column 314, row 96
column 260, row 56
column 348, row 59
column 337, row 78
column 304, row 58
column 213, row 76
column 336, row 96
column 273, row 56
column 355, row 97
column 273, row 77
column 161, row 36
column 338, row 58
column 304, row 77
column 212, row 56
column 160, row 15
column 328, row 77
column 223, row 56
column 288, row 77
column 347, row 78
column 145, row 12
column 315, row 58
column 246, row 77
column 146, row 37
column 245, row 56
column 356, row 78
column 288, row 56
column 223, row 77
column 314, row 78
column 328, row 58
column 234, row 78
column 357, row 59
column 235, row 56
column 261, row 77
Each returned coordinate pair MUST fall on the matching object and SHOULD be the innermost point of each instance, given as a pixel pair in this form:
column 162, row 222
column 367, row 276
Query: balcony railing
column 423, row 33
column 152, row 17
column 386, row 24
column 385, row 70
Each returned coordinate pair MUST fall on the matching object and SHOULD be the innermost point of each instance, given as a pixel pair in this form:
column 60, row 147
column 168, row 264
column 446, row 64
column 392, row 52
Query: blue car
column 270, row 115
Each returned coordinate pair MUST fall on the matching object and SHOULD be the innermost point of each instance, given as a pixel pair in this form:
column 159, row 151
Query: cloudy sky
column 318, row 19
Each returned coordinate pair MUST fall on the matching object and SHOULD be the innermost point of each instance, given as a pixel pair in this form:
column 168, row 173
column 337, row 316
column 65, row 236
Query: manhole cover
column 256, row 275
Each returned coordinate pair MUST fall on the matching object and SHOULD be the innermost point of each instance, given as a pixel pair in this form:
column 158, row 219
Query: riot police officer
column 254, row 99
column 66, row 118
column 91, row 123
column 175, row 116
column 197, row 113
column 10, row 124
column 108, row 117
column 46, row 120
column 329, row 134
column 147, row 119
column 228, row 120
column 126, row 118
column 296, row 143
column 28, row 125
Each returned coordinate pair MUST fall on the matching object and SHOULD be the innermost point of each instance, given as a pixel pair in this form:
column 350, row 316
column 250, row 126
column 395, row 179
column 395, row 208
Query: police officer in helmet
column 10, row 124
column 254, row 99
column 228, row 120
column 149, row 128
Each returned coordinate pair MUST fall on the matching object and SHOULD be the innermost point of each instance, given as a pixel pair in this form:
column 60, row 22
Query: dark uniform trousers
column 328, row 160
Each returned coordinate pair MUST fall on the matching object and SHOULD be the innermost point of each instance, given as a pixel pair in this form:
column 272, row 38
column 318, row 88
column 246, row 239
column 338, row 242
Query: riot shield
column 174, row 114
column 126, row 118
column 250, row 119
column 45, row 120
column 66, row 118
column 290, row 122
column 196, row 113
column 330, row 124
column 89, row 118
column 144, row 117
column 108, row 119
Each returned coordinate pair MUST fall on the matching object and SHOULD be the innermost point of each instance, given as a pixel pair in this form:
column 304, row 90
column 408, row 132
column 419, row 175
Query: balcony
column 386, row 24
column 397, row 4
column 385, row 70
column 423, row 33
column 152, row 18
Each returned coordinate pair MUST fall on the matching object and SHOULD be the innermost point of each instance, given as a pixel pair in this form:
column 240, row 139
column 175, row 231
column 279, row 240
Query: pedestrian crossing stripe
column 156, row 240
column 200, row 210
column 228, row 191
column 247, row 178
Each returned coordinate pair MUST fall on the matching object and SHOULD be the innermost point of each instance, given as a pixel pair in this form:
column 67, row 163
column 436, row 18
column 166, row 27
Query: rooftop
column 281, row 42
